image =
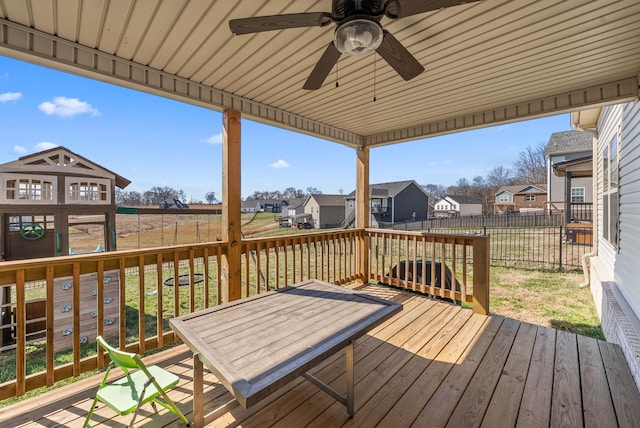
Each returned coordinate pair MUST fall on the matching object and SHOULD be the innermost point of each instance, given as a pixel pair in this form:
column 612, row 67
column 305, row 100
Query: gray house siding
column 324, row 216
column 330, row 217
column 556, row 187
column 407, row 202
column 470, row 209
column 400, row 207
column 614, row 271
column 565, row 147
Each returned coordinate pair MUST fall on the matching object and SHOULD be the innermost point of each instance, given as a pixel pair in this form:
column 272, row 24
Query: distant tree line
column 288, row 193
column 157, row 196
column 530, row 168
column 160, row 195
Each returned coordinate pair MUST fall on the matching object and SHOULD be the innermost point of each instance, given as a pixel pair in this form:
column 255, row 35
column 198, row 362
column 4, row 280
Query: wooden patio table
column 258, row 344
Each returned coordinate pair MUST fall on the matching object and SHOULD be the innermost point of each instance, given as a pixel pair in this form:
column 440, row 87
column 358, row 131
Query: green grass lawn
column 549, row 298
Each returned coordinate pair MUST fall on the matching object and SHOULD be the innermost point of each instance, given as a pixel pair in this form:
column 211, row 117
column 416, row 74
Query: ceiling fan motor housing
column 344, row 9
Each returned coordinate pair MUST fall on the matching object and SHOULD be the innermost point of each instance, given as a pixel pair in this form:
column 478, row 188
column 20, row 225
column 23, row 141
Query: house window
column 350, row 203
column 29, row 189
column 93, row 191
column 503, row 198
column 577, row 194
column 530, row 198
column 610, row 203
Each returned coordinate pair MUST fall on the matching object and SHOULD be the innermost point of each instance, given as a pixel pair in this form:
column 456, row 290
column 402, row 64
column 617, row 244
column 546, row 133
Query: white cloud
column 215, row 139
column 19, row 150
column 10, row 96
column 67, row 107
column 44, row 145
column 279, row 164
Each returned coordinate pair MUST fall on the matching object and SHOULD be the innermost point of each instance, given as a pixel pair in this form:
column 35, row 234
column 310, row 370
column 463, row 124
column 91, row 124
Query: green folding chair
column 127, row 394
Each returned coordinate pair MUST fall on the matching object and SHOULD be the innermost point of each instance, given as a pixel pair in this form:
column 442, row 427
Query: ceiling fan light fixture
column 358, row 37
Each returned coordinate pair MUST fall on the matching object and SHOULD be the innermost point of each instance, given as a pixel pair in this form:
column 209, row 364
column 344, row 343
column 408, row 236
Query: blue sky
column 154, row 141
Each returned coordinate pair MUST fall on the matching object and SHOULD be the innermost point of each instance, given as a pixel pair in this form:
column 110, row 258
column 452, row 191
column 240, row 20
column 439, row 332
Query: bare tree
column 211, row 198
column 435, row 191
column 292, row 192
column 313, row 191
column 530, row 168
column 132, row 198
column 500, row 176
column 462, row 187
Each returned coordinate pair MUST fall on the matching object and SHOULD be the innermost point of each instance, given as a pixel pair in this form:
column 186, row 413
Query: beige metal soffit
column 36, row 47
column 587, row 119
column 595, row 96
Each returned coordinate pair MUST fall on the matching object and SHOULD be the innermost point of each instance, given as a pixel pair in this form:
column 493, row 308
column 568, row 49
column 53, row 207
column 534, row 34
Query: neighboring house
column 250, row 206
column 613, row 269
column 293, row 214
column 570, row 171
column 521, row 198
column 265, row 206
column 272, row 205
column 457, row 206
column 39, row 193
column 394, row 202
column 326, row 211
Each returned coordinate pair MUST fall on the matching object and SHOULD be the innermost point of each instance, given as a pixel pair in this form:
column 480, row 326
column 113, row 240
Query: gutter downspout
column 594, row 215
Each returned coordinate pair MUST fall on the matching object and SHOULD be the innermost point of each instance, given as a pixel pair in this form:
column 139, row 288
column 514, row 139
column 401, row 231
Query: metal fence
column 528, row 241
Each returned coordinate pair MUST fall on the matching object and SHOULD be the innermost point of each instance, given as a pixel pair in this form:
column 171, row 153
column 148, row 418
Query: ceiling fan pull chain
column 337, row 84
column 374, row 77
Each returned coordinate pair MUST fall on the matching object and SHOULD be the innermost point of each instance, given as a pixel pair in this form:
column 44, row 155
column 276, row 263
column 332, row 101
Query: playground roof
column 57, row 158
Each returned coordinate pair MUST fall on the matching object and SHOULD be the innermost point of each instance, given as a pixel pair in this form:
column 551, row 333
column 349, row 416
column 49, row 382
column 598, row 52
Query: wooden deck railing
column 277, row 261
column 129, row 296
column 458, row 265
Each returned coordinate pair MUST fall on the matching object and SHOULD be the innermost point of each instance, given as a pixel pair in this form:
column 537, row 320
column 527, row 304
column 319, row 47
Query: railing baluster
column 76, row 319
column 247, row 272
column 206, row 285
column 192, row 281
column 267, row 262
column 277, row 250
column 176, row 288
column 50, row 378
column 21, row 333
column 160, row 310
column 432, row 289
column 141, row 306
column 219, row 272
column 122, row 303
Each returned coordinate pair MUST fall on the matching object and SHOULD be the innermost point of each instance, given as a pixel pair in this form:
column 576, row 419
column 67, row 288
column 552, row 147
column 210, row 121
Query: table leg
column 198, row 387
column 350, row 379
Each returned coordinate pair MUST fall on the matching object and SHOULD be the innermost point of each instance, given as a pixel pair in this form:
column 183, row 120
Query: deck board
column 505, row 402
column 433, row 364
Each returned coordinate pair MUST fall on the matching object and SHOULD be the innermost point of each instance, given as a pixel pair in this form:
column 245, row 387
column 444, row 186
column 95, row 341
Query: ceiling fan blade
column 322, row 68
column 401, row 8
column 398, row 57
column 258, row 24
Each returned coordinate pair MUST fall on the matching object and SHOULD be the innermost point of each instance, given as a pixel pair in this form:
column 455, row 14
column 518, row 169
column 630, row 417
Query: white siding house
column 614, row 273
column 457, row 205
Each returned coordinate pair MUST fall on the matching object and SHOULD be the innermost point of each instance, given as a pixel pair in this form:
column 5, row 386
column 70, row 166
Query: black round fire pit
column 184, row 279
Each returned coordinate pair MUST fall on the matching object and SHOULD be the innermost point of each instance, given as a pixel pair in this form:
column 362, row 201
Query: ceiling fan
column 358, row 31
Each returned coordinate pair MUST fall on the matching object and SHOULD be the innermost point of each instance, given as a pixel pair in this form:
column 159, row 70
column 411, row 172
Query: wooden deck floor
column 432, row 365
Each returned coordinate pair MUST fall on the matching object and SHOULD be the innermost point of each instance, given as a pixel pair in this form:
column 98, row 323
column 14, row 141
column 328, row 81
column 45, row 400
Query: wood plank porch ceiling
column 489, row 62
